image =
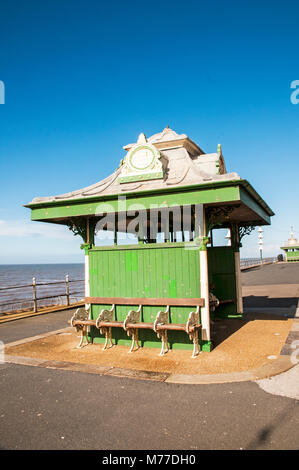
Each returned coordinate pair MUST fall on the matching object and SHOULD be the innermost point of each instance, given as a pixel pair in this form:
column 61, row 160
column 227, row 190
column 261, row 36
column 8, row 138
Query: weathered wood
column 141, row 325
column 34, row 294
column 145, row 301
column 67, row 289
column 177, row 327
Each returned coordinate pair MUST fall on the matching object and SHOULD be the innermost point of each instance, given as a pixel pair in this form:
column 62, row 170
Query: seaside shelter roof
column 166, row 169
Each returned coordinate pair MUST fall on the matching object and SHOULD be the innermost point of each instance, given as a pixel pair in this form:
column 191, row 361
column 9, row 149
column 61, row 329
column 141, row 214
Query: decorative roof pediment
column 169, row 139
column 142, row 162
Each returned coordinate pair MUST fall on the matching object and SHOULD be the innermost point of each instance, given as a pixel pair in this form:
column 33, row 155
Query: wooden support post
column 167, row 230
column 86, row 269
column 200, row 231
column 115, row 230
column 86, row 263
column 211, row 237
column 204, row 288
column 238, row 283
column 67, row 290
column 235, row 241
column 87, row 231
column 34, row 294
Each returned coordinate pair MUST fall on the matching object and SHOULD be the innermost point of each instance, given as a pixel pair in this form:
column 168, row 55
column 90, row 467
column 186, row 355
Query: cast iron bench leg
column 164, row 348
column 83, row 335
column 193, row 335
column 134, row 333
column 81, row 314
column 161, row 319
column 133, row 317
column 106, row 315
column 196, row 349
column 108, row 337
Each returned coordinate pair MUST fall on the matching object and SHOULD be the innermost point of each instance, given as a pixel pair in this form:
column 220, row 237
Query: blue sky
column 84, row 78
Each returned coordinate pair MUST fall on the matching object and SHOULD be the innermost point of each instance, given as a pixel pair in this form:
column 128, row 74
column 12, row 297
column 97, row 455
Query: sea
column 50, row 281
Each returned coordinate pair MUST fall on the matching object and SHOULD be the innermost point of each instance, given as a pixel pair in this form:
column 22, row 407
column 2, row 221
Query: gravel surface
column 240, row 345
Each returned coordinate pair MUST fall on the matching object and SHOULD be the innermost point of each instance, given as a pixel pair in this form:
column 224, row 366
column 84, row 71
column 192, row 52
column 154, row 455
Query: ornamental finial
column 141, row 139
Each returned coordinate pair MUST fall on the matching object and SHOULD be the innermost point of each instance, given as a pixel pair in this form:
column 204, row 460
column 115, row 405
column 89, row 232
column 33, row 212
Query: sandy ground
column 239, row 345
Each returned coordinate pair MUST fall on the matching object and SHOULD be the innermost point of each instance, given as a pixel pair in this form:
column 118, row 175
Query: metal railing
column 35, row 301
column 250, row 262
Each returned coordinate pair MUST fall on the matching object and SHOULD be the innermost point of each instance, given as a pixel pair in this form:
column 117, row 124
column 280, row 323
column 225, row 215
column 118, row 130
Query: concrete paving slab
column 25, row 361
column 278, row 366
column 138, row 374
column 286, row 384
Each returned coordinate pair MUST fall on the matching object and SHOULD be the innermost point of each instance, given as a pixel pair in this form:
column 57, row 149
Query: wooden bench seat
column 133, row 323
column 214, row 302
column 227, row 301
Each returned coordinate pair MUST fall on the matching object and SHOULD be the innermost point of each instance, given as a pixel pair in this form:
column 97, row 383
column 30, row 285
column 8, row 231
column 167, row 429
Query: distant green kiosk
column 151, row 230
column 291, row 249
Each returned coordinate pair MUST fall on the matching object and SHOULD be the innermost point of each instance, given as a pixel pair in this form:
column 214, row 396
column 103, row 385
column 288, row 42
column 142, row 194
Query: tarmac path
column 279, row 273
column 275, row 288
column 51, row 409
column 54, row 409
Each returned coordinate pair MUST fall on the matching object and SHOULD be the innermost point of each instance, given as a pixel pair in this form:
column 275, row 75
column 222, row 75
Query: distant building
column 291, row 248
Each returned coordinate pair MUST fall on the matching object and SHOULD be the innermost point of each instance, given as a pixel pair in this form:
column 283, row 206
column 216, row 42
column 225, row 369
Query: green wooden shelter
column 149, row 231
column 291, row 248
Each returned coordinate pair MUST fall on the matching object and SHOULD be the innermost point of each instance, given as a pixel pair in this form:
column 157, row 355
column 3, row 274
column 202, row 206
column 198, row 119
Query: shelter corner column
column 86, row 270
column 236, row 244
column 89, row 240
column 204, row 276
column 86, row 247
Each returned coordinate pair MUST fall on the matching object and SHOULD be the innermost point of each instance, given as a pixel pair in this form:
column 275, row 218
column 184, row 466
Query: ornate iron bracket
column 244, row 230
column 78, row 226
column 217, row 216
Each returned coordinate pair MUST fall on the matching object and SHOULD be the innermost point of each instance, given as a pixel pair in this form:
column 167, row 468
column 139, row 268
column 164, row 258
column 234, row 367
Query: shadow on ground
column 263, row 301
column 265, row 434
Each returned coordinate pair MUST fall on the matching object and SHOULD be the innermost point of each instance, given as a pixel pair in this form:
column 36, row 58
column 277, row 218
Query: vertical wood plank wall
column 221, row 261
column 170, row 270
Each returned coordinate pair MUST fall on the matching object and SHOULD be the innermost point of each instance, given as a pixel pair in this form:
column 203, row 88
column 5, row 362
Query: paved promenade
column 272, row 289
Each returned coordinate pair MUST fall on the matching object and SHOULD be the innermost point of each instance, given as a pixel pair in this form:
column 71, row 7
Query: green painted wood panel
column 292, row 256
column 171, row 271
column 202, row 195
column 221, row 261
